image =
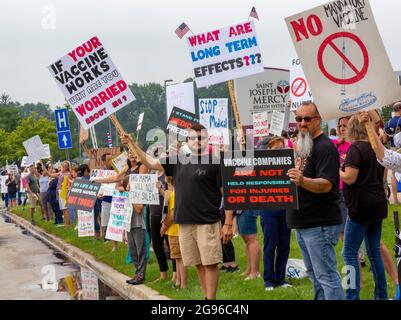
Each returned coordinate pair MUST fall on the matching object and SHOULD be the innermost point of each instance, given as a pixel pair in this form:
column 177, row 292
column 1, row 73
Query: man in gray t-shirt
column 32, row 187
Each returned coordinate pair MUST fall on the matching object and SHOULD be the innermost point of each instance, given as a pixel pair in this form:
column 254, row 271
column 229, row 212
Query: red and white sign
column 300, row 91
column 344, row 59
column 260, row 124
column 91, row 83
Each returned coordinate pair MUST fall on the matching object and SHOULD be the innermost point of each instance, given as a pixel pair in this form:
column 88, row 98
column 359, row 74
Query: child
column 276, row 238
column 171, row 229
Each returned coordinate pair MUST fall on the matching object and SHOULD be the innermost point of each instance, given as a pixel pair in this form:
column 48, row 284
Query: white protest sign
column 47, row 150
column 90, row 285
column 115, row 228
column 12, row 168
column 213, row 115
column 180, row 96
column 86, row 223
column 277, row 123
column 140, row 121
column 128, row 216
column 267, row 91
column 120, row 162
column 143, row 189
column 343, row 58
column 26, row 162
column 35, row 148
column 260, row 124
column 91, row 83
column 106, row 189
column 300, row 91
column 225, row 54
column 3, row 180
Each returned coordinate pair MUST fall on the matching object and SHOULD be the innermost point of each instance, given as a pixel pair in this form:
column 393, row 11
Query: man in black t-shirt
column 318, row 221
column 198, row 194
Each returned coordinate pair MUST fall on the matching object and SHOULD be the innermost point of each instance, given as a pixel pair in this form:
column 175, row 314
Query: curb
column 112, row 278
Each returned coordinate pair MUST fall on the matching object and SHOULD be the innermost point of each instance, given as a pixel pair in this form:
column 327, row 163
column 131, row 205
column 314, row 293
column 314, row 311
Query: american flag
column 254, row 14
column 182, row 30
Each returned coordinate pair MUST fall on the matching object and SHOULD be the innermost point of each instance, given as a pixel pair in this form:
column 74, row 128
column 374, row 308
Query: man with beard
column 198, row 193
column 318, row 221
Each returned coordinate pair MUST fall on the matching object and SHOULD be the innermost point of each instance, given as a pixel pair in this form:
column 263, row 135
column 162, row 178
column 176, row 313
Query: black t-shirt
column 365, row 199
column 197, row 189
column 319, row 209
column 12, row 186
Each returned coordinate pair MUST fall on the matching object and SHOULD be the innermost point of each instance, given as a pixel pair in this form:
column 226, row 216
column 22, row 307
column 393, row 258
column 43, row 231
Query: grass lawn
column 231, row 285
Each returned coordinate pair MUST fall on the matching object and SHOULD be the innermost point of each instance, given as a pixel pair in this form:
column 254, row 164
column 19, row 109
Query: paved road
column 22, row 258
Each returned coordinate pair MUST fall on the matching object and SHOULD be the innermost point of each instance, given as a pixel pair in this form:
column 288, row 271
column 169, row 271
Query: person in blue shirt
column 391, row 128
column 277, row 238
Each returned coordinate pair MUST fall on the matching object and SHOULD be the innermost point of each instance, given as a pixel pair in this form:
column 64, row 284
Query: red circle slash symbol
column 360, row 74
column 297, row 85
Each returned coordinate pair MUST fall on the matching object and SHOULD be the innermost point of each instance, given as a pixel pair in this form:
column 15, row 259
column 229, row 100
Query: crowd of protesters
column 342, row 192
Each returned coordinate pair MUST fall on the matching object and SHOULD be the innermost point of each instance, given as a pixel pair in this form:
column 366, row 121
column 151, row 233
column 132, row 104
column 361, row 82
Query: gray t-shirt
column 137, row 220
column 33, row 184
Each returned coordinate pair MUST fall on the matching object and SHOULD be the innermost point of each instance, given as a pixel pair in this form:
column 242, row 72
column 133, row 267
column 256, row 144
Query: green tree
column 27, row 128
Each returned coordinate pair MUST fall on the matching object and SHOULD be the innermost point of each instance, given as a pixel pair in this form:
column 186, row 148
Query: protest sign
column 3, row 185
column 89, row 284
column 106, row 189
column 143, row 189
column 83, row 195
column 129, row 210
column 35, row 148
column 259, row 182
column 300, row 91
column 267, row 91
column 119, row 163
column 181, row 96
column 179, row 122
column 91, row 83
column 96, row 156
column 115, row 228
column 213, row 115
column 225, row 54
column 343, row 58
column 140, row 121
column 47, row 150
column 12, row 168
column 277, row 123
column 26, row 162
column 260, row 124
column 86, row 223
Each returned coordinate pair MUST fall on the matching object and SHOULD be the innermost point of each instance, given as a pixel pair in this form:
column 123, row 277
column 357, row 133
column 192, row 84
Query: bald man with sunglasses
column 318, row 221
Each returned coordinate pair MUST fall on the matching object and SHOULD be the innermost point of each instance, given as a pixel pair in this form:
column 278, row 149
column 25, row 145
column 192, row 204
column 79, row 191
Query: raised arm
column 146, row 159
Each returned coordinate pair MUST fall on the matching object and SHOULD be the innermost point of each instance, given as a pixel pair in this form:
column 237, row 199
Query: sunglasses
column 194, row 138
column 306, row 119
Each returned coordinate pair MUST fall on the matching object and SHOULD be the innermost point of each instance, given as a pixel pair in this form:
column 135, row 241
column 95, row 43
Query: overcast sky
column 139, row 35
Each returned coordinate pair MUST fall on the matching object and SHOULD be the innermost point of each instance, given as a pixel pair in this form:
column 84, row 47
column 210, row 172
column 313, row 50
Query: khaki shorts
column 32, row 201
column 200, row 244
column 175, row 252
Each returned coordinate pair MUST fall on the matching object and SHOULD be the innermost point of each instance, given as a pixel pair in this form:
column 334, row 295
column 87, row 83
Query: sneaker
column 285, row 286
column 269, row 288
column 135, row 281
column 232, row 269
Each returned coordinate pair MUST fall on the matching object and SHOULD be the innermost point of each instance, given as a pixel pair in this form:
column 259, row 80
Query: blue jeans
column 353, row 236
column 246, row 222
column 318, row 250
column 276, row 249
